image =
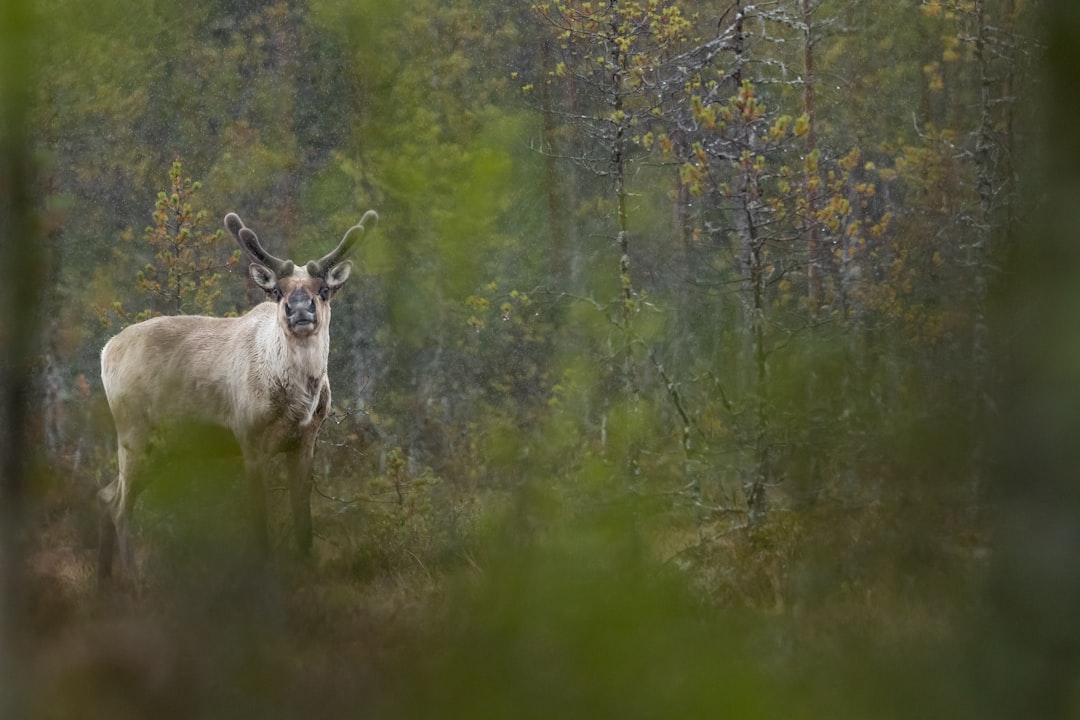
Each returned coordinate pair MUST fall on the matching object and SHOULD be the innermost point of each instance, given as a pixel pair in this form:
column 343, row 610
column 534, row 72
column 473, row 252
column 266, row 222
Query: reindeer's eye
column 277, row 294
column 324, row 292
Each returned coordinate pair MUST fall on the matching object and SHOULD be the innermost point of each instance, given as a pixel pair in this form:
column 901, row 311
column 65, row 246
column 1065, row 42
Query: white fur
column 251, row 375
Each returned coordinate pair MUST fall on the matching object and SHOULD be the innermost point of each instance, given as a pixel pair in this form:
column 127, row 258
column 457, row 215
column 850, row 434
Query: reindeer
column 261, row 376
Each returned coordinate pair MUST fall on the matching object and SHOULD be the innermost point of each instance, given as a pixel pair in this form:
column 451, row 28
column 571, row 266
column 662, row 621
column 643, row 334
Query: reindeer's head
column 302, row 292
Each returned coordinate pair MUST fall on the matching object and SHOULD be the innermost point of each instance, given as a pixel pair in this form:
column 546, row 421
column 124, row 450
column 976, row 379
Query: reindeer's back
column 175, row 367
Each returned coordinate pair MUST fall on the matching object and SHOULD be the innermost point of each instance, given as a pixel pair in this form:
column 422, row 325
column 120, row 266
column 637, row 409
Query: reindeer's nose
column 300, row 310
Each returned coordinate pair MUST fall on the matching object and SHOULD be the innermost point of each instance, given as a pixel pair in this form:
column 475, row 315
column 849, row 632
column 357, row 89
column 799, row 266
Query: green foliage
column 641, row 291
column 655, row 386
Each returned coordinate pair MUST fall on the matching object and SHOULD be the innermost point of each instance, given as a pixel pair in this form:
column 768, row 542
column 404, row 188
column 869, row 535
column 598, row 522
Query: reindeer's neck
column 298, row 375
column 290, row 359
column 305, row 358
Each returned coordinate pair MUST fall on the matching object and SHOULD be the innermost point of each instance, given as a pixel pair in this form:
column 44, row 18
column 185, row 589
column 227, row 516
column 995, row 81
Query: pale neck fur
column 296, row 359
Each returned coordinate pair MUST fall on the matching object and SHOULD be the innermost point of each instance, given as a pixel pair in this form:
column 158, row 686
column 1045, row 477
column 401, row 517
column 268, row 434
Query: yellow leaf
column 802, row 125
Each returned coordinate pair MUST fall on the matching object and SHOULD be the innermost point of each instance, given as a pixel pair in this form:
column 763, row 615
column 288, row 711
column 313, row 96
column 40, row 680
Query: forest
column 708, row 358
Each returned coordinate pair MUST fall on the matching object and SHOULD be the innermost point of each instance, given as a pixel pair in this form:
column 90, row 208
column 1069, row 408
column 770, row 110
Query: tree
column 183, row 276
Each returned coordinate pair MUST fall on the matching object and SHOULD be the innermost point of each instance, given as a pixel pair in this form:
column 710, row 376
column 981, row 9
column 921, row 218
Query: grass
column 429, row 599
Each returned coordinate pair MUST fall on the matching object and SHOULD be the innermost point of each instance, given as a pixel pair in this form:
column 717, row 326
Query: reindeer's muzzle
column 300, row 312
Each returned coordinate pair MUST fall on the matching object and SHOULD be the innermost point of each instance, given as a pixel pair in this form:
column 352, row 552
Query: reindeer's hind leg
column 118, row 500
column 106, row 538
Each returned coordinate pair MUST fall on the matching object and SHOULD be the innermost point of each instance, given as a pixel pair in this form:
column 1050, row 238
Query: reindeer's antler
column 250, row 242
column 319, row 268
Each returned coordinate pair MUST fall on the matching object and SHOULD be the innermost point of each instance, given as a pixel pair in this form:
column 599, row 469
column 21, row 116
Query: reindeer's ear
column 337, row 275
column 263, row 276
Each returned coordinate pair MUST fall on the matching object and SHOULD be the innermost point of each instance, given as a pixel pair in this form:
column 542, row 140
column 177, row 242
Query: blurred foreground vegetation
column 708, row 360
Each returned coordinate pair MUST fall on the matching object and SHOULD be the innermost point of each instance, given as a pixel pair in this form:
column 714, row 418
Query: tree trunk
column 980, row 252
column 557, row 259
column 813, row 240
column 22, row 250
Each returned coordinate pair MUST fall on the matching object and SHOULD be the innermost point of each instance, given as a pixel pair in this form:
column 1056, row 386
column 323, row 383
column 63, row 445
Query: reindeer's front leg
column 300, row 460
column 254, row 467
